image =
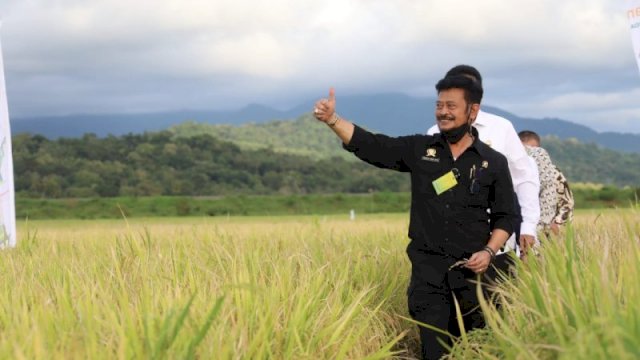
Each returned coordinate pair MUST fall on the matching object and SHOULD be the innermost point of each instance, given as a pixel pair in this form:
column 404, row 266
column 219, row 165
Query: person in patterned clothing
column 556, row 198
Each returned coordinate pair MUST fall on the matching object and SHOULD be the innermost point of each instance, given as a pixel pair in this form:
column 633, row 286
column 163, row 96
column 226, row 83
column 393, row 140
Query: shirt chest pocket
column 480, row 191
column 423, row 176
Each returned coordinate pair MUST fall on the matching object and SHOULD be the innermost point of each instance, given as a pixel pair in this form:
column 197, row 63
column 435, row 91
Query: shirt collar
column 480, row 120
column 482, row 148
column 477, row 145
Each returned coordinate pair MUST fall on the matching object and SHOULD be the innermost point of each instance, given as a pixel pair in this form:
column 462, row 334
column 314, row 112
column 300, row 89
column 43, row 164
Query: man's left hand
column 479, row 262
column 526, row 243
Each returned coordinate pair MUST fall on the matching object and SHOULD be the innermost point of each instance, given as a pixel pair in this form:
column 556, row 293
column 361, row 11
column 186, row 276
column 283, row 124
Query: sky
column 569, row 59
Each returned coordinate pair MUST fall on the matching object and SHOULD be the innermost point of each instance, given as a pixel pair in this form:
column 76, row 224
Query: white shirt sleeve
column 526, row 181
column 529, row 205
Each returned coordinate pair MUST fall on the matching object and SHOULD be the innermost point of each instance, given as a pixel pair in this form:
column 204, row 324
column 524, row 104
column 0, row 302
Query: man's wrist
column 333, row 120
column 491, row 252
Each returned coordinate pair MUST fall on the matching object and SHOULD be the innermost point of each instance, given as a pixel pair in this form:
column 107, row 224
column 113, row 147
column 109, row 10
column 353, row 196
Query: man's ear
column 473, row 113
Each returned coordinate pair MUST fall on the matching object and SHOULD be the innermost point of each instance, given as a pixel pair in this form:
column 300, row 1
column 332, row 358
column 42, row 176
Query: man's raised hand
column 325, row 108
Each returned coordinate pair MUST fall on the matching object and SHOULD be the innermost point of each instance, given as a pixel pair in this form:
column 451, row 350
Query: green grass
column 265, row 205
column 245, row 205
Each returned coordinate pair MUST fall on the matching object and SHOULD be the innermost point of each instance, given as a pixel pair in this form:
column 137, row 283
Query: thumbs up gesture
column 325, row 108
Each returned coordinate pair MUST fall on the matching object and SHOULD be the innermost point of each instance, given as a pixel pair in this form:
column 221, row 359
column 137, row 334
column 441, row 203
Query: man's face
column 531, row 142
column 452, row 110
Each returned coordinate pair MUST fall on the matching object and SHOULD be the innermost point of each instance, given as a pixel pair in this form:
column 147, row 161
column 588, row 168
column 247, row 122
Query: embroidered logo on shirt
column 430, row 155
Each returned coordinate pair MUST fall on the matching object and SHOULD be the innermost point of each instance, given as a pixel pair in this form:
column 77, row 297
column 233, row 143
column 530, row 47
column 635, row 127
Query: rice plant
column 306, row 287
column 255, row 288
column 577, row 300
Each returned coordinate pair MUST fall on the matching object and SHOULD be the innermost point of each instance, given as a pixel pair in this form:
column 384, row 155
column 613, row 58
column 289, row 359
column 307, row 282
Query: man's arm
column 377, row 149
column 480, row 260
column 325, row 111
column 503, row 213
column 528, row 193
column 526, row 183
column 503, row 217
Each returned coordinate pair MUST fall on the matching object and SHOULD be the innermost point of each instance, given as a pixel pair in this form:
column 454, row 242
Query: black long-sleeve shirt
column 459, row 221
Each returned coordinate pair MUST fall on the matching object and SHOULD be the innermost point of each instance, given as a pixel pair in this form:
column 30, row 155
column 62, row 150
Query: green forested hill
column 306, row 136
column 592, row 163
column 161, row 163
column 285, row 157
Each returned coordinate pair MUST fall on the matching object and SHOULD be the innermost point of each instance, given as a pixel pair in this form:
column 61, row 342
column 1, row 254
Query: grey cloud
column 99, row 55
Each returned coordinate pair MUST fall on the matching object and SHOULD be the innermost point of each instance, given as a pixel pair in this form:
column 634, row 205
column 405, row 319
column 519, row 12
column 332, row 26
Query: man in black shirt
column 462, row 205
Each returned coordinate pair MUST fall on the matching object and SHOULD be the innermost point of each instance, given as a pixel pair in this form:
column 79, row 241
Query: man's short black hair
column 466, row 70
column 472, row 89
column 526, row 135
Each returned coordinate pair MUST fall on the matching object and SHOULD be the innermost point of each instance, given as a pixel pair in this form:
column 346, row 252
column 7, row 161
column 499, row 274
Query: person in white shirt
column 500, row 134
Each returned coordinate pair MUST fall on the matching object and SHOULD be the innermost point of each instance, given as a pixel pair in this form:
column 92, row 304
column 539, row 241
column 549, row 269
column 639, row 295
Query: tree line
column 297, row 157
column 160, row 163
column 580, row 162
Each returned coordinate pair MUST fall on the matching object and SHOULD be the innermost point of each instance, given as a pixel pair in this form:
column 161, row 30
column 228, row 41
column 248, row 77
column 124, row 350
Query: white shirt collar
column 480, row 119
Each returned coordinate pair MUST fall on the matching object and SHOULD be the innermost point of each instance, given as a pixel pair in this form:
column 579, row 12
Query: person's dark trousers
column 502, row 267
column 518, row 223
column 431, row 305
column 430, row 300
column 463, row 283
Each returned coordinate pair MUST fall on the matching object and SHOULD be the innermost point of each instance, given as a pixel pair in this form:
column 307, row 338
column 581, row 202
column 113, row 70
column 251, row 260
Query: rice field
column 578, row 300
column 308, row 287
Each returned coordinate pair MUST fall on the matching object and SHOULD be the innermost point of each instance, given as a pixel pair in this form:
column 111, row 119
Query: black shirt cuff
column 356, row 139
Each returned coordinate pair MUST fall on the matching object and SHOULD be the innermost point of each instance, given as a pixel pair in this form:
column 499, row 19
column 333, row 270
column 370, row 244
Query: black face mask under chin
column 456, row 134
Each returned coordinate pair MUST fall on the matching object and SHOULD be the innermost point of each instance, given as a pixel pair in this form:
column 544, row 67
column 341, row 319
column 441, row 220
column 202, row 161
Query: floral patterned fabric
column 556, row 198
column 564, row 208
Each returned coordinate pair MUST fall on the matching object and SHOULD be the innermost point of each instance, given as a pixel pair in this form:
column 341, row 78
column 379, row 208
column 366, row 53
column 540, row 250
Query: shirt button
column 447, row 206
column 446, row 239
column 446, row 222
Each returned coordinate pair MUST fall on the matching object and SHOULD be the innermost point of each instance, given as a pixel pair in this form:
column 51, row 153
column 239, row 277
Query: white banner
column 7, row 192
column 633, row 13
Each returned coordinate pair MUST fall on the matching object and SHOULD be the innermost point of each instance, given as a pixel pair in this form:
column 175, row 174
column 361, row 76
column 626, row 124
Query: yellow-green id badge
column 444, row 182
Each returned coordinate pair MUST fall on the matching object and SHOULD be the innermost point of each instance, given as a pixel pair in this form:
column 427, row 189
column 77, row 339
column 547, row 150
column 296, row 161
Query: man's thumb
column 332, row 94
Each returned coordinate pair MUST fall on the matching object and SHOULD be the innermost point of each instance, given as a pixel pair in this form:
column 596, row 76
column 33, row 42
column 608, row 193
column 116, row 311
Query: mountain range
column 393, row 114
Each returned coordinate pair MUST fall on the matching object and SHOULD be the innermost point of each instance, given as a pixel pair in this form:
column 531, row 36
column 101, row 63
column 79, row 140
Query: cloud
column 592, row 101
column 94, row 55
column 602, row 111
column 532, row 30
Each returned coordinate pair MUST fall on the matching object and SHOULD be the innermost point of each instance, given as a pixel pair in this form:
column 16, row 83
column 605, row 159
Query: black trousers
column 431, row 295
column 517, row 224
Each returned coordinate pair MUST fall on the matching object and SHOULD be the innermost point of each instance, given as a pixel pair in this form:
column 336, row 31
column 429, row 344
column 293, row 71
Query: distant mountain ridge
column 393, row 114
